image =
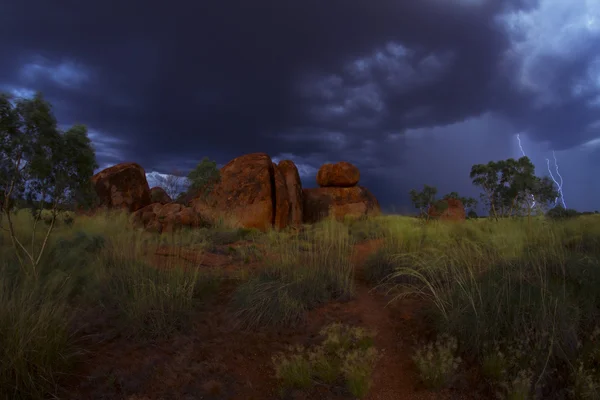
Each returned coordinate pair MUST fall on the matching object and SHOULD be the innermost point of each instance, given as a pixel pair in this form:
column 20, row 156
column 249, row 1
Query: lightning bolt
column 524, row 155
column 559, row 186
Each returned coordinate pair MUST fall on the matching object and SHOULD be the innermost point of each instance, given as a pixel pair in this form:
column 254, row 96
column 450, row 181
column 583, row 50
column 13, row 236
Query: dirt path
column 394, row 376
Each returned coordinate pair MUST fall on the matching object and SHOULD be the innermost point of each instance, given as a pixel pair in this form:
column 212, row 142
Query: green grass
column 91, row 263
column 299, row 275
column 437, row 362
column 535, row 284
column 346, row 355
column 521, row 298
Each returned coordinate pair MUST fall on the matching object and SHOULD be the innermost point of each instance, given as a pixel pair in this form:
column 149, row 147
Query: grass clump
column 346, row 356
column 357, row 369
column 38, row 314
column 437, row 362
column 299, row 275
column 36, row 343
column 95, row 264
column 533, row 284
column 152, row 302
column 293, row 369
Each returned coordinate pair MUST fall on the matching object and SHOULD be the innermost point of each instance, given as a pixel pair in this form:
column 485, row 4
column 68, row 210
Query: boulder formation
column 341, row 174
column 252, row 191
column 122, row 186
column 338, row 202
column 159, row 218
column 293, row 186
column 448, row 210
column 338, row 195
column 158, row 195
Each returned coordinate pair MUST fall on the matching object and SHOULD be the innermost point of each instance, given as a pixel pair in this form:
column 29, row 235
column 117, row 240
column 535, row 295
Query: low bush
column 346, row 354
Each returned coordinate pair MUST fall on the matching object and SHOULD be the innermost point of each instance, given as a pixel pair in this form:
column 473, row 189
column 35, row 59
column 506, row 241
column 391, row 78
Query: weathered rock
column 256, row 193
column 341, row 174
column 158, row 195
column 187, row 217
column 448, row 210
column 144, row 215
column 245, row 193
column 154, row 226
column 166, row 218
column 294, row 189
column 167, row 209
column 338, row 202
column 122, row 186
column 281, row 200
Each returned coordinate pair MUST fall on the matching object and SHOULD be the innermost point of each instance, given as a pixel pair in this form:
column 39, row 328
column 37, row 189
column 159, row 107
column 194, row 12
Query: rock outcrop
column 341, row 174
column 122, row 186
column 338, row 195
column 448, row 210
column 339, row 202
column 158, row 195
column 281, row 199
column 159, row 218
column 251, row 192
column 293, row 186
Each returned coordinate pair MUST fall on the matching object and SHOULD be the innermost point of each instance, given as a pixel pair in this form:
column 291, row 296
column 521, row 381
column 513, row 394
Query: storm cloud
column 411, row 92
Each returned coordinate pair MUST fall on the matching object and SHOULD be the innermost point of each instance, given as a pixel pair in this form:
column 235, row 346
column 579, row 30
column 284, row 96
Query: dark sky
column 412, row 92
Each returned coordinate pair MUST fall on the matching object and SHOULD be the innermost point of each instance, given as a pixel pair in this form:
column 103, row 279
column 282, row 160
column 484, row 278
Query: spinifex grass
column 300, row 274
column 346, row 352
column 535, row 282
column 154, row 301
column 95, row 261
column 36, row 345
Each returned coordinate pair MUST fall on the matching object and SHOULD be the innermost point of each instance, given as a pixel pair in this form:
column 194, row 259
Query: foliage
column 437, row 362
column 511, row 188
column 468, row 202
column 425, row 199
column 293, row 369
column 173, row 183
column 204, row 177
column 346, row 352
column 300, row 275
column 560, row 212
column 47, row 167
column 532, row 286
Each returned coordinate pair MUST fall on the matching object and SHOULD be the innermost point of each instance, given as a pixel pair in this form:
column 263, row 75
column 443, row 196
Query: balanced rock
column 448, row 210
column 122, row 186
column 251, row 192
column 338, row 202
column 158, row 195
column 341, row 174
column 294, row 189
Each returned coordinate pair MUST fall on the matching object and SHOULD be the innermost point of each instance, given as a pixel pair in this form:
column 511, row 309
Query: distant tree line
column 508, row 187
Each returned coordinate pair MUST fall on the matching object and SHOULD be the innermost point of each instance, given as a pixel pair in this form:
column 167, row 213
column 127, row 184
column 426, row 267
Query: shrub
column 346, row 352
column 357, row 369
column 560, row 212
column 293, row 370
column 437, row 362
